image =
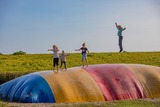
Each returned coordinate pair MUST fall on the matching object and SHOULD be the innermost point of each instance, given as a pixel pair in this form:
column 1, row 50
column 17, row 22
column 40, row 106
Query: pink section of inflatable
column 116, row 82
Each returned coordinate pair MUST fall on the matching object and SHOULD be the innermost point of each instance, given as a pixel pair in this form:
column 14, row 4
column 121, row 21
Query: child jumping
column 120, row 29
column 63, row 59
column 56, row 56
column 84, row 53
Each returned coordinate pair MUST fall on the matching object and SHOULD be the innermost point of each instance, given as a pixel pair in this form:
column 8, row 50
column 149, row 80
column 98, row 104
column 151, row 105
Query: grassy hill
column 38, row 62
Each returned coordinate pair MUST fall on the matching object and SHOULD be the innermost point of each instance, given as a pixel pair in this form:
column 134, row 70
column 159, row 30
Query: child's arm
column 87, row 50
column 116, row 25
column 77, row 49
column 124, row 29
column 67, row 54
column 50, row 49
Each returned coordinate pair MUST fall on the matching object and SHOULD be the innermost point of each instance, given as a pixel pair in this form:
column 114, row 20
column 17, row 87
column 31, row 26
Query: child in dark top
column 84, row 53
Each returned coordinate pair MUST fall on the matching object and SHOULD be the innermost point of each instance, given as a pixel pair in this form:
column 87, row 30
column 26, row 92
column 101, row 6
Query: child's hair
column 119, row 26
column 54, row 46
column 84, row 44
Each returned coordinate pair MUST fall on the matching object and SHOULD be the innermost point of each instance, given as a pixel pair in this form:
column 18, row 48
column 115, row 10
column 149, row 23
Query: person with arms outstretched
column 63, row 59
column 84, row 53
column 56, row 56
column 120, row 29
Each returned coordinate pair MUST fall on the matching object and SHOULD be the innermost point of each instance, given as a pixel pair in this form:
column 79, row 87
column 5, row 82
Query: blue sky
column 34, row 26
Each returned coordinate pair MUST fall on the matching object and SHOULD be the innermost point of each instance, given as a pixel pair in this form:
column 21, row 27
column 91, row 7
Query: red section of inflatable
column 116, row 82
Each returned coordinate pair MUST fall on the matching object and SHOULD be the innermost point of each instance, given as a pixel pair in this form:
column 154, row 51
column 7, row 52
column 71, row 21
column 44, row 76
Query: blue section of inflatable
column 30, row 88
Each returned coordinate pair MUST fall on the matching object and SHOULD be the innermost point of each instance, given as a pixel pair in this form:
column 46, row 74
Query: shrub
column 7, row 76
column 19, row 53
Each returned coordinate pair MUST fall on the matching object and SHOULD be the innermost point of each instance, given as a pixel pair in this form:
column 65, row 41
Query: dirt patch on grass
column 81, row 104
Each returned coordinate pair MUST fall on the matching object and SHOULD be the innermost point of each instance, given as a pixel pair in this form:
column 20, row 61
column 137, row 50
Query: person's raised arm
column 116, row 25
column 124, row 29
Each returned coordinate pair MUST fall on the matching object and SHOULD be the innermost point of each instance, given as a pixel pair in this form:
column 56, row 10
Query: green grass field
column 38, row 62
column 12, row 66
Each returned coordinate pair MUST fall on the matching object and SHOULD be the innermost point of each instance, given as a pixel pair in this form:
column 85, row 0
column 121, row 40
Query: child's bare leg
column 57, row 68
column 83, row 63
column 86, row 62
column 60, row 67
column 53, row 68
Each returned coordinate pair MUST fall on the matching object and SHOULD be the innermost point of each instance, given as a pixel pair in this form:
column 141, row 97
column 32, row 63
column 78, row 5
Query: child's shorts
column 84, row 56
column 55, row 61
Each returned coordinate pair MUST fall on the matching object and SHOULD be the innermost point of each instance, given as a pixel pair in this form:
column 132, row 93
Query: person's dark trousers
column 63, row 62
column 120, row 43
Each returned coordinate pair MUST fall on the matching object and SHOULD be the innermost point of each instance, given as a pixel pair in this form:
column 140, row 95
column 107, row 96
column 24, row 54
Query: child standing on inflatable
column 56, row 56
column 84, row 53
column 63, row 59
column 120, row 29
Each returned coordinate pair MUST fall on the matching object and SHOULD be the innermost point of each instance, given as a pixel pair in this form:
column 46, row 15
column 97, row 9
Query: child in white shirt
column 56, row 56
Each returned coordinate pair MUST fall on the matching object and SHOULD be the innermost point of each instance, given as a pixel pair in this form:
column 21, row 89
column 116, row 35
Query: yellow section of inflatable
column 73, row 85
column 149, row 77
